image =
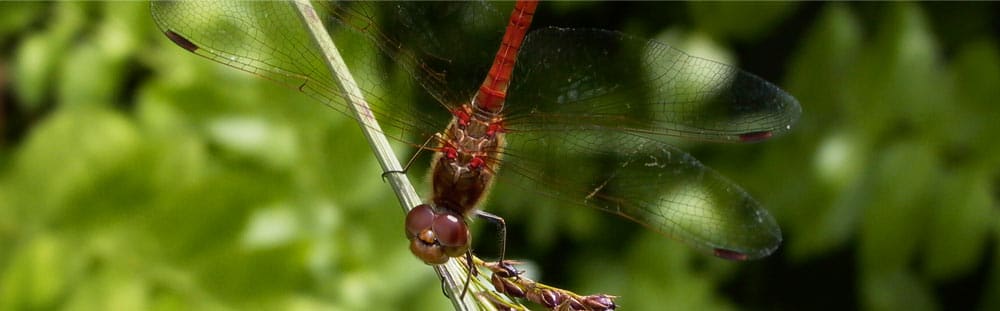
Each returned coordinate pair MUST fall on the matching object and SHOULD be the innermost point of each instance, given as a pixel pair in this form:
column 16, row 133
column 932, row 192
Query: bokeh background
column 135, row 175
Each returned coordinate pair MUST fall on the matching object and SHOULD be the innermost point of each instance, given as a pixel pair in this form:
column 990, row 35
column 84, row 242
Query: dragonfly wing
column 455, row 42
column 646, row 181
column 584, row 78
column 268, row 39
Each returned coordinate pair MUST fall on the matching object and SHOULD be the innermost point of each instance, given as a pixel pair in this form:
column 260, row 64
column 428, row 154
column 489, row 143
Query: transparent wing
column 584, row 79
column 611, row 101
column 577, row 94
column 649, row 182
column 267, row 39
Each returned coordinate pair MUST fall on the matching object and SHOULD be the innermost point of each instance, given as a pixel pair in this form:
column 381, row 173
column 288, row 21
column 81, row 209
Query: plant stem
column 451, row 273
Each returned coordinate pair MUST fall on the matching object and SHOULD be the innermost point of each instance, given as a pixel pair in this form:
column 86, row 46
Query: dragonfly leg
column 468, row 278
column 501, row 225
column 444, row 288
column 412, row 159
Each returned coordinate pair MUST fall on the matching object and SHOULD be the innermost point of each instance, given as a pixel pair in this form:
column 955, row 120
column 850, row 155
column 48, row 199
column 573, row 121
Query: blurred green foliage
column 134, row 175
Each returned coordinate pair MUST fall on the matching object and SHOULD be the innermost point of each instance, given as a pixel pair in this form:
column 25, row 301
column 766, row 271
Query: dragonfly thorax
column 462, row 172
column 468, row 158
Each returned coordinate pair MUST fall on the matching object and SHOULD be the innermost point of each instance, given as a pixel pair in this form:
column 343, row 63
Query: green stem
column 451, row 273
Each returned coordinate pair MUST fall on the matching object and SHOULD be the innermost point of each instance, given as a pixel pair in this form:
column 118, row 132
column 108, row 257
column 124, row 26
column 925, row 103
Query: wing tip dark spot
column 756, row 136
column 181, row 40
column 730, row 254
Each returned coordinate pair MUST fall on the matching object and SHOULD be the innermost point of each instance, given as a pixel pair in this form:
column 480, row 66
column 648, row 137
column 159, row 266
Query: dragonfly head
column 436, row 234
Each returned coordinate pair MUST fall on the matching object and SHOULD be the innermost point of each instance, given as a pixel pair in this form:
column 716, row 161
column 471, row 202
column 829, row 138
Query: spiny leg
column 468, row 278
column 501, row 225
column 412, row 159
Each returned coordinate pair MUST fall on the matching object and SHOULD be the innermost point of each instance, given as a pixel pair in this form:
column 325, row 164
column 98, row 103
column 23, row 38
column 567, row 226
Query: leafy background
column 134, row 175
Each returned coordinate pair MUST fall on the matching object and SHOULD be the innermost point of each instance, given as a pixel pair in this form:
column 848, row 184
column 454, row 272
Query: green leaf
column 820, row 77
column 976, row 73
column 37, row 274
column 894, row 289
column 962, row 212
column 739, row 20
column 900, row 68
column 39, row 59
column 897, row 210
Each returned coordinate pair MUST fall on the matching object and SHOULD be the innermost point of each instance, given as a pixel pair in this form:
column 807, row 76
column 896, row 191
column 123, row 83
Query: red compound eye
column 431, row 254
column 419, row 219
column 424, row 243
column 451, row 230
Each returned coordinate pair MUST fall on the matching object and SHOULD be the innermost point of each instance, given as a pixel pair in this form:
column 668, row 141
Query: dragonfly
column 556, row 98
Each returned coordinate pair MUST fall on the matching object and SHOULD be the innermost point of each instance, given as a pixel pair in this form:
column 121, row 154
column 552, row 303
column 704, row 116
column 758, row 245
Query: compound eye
column 423, row 240
column 451, row 230
column 419, row 218
column 431, row 254
column 436, row 235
